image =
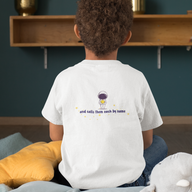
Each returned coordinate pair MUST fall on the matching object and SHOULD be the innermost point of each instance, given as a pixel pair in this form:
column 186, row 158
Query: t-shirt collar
column 101, row 62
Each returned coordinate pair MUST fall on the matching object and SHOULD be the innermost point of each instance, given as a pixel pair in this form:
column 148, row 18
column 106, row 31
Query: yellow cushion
column 34, row 162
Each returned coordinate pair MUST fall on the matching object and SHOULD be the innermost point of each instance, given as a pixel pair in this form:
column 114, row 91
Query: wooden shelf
column 37, row 31
column 161, row 30
column 52, row 31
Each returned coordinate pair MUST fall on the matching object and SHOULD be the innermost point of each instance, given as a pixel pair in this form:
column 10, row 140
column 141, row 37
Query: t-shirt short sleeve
column 50, row 111
column 151, row 116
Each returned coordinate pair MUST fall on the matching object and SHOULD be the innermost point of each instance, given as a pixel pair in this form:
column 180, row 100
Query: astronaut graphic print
column 102, row 99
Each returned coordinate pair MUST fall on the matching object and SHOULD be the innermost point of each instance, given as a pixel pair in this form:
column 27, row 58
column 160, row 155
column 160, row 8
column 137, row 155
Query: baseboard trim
column 23, row 121
column 41, row 121
column 177, row 120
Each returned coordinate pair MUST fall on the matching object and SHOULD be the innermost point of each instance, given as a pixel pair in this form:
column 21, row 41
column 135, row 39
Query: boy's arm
column 55, row 132
column 147, row 138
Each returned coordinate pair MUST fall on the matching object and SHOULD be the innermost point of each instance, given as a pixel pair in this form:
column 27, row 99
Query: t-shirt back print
column 103, row 108
column 102, row 99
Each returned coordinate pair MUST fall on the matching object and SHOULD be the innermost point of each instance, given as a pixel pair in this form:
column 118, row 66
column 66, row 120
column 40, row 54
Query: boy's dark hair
column 104, row 24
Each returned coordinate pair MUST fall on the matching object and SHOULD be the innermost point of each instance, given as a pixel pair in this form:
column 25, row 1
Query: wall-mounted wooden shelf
column 148, row 30
column 161, row 30
column 42, row 31
column 54, row 31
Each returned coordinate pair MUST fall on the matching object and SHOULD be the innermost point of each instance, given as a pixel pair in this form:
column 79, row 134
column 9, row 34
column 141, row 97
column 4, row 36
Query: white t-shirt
column 103, row 106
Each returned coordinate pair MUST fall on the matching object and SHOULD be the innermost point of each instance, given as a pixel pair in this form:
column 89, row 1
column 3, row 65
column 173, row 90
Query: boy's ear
column 128, row 37
column 76, row 31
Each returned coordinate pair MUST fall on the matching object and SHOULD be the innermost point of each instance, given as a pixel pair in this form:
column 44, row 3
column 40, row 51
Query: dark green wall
column 25, row 84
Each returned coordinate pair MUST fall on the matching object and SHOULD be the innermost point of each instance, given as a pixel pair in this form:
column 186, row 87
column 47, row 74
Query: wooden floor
column 177, row 137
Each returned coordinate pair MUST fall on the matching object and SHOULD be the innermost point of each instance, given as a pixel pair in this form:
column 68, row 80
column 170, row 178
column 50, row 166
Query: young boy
column 103, row 110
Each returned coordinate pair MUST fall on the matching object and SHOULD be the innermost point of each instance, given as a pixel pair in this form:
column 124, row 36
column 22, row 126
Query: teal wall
column 25, row 84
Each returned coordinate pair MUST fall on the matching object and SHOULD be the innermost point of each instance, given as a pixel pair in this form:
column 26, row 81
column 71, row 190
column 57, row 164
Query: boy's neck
column 91, row 56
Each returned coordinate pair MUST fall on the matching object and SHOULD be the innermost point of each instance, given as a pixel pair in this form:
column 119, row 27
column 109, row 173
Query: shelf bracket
column 45, row 57
column 188, row 48
column 159, row 57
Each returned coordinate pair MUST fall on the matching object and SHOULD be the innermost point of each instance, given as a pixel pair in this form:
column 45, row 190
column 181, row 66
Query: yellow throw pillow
column 35, row 162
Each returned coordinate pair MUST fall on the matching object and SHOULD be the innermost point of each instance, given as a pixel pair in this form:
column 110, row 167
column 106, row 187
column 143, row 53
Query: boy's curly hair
column 104, row 24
